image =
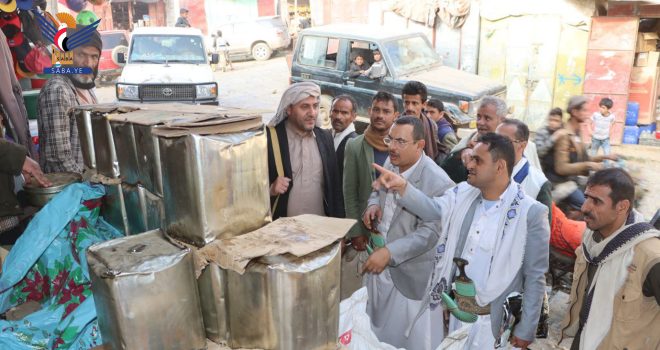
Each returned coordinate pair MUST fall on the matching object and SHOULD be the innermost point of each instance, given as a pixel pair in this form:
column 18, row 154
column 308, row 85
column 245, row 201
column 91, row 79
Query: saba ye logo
column 63, row 45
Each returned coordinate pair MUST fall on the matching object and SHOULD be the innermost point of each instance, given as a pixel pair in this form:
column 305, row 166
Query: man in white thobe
column 399, row 271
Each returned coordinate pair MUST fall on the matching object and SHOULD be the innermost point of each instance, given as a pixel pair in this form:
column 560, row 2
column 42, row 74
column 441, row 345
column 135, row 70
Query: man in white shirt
column 342, row 116
column 502, row 232
column 400, row 265
column 532, row 180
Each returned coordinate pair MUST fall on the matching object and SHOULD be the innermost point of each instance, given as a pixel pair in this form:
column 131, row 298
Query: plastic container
column 631, row 135
column 632, row 113
column 650, row 128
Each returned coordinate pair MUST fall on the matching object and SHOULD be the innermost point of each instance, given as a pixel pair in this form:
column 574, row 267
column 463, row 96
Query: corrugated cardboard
column 298, row 235
column 232, row 122
column 647, row 59
column 646, row 42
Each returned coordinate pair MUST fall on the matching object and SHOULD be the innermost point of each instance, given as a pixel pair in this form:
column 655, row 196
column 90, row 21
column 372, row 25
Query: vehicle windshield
column 410, row 54
column 170, row 48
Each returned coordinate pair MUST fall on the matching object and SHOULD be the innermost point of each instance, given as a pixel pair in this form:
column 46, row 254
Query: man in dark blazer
column 302, row 165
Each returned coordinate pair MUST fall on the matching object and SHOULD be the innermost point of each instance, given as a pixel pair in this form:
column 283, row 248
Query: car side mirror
column 121, row 58
column 215, row 58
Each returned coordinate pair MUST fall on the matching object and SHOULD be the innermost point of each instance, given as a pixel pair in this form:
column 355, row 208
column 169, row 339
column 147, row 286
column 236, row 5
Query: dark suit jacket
column 333, row 201
column 340, row 156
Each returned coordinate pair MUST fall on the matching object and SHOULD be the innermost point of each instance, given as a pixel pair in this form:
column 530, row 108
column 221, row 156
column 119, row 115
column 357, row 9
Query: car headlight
column 127, row 92
column 207, row 90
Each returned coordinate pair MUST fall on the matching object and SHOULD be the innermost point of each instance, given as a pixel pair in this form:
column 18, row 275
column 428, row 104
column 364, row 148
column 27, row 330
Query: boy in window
column 378, row 69
column 358, row 66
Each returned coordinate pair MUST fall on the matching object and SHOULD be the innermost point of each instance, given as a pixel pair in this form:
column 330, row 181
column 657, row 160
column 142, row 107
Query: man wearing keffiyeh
column 58, row 134
column 302, row 164
column 615, row 296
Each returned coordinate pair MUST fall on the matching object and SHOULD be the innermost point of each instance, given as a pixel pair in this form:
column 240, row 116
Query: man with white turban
column 302, row 165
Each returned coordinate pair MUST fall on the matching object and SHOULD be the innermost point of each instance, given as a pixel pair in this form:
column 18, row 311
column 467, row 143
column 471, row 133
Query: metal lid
column 59, row 181
column 147, row 252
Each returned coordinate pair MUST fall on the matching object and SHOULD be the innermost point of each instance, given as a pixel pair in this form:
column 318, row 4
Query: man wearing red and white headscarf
column 302, row 165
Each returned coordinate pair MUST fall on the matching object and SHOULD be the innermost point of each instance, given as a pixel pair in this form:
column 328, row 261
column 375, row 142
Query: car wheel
column 323, row 120
column 261, row 51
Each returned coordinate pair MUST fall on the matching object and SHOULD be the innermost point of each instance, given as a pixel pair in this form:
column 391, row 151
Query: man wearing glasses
column 400, row 266
column 532, row 180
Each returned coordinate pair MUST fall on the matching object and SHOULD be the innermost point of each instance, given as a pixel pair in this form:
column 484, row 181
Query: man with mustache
column 500, row 231
column 342, row 116
column 361, row 152
column 301, row 158
column 400, row 268
column 491, row 112
column 415, row 95
column 59, row 144
column 615, row 295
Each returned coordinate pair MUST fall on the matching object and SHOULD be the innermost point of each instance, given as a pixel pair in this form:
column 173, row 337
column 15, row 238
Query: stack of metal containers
column 196, row 174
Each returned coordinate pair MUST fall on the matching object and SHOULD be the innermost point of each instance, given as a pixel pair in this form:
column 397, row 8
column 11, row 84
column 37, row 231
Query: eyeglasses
column 398, row 142
column 517, row 141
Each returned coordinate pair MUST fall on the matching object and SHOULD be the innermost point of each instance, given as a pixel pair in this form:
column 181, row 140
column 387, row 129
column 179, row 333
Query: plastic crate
column 631, row 135
column 632, row 113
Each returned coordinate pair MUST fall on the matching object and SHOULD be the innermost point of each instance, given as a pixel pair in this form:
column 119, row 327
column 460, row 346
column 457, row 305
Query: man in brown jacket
column 615, row 296
column 568, row 158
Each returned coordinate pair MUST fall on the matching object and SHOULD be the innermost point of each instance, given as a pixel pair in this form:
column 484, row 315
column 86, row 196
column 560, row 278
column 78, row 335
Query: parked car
column 113, row 40
column 323, row 55
column 167, row 64
column 257, row 38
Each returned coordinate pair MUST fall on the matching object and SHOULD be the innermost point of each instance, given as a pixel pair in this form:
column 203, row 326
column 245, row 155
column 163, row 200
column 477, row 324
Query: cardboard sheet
column 205, row 126
column 299, row 235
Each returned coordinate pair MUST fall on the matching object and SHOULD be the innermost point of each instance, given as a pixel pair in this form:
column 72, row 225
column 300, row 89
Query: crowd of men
column 431, row 209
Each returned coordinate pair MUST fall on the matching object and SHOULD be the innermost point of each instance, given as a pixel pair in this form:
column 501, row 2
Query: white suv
column 167, row 64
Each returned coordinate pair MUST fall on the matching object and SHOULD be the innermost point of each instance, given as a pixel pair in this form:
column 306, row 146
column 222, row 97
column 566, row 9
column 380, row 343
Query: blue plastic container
column 631, row 135
column 649, row 128
column 632, row 113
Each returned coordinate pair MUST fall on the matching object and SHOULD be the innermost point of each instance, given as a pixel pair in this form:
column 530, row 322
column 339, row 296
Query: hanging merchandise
column 454, row 13
column 75, row 5
column 24, row 4
column 31, row 29
column 7, row 6
column 11, row 27
column 86, row 17
column 38, row 59
column 19, row 53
